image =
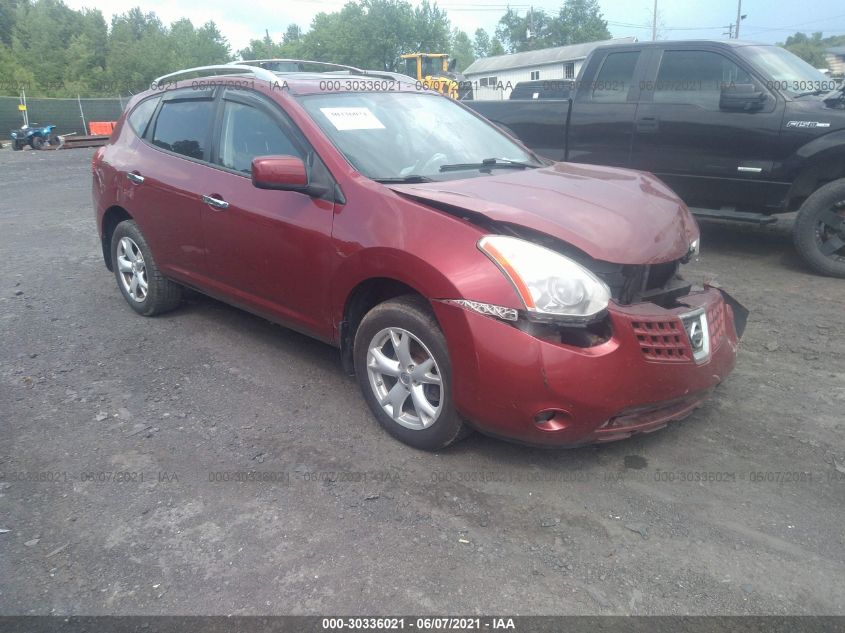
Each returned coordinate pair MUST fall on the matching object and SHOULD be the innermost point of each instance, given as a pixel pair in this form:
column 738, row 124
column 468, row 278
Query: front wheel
column 145, row 289
column 404, row 371
column 37, row 142
column 819, row 229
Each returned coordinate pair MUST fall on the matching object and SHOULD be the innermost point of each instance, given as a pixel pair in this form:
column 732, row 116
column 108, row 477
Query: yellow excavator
column 435, row 71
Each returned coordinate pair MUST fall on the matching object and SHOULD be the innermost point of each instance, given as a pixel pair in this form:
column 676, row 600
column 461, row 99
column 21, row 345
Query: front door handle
column 135, row 177
column 647, row 124
column 217, row 203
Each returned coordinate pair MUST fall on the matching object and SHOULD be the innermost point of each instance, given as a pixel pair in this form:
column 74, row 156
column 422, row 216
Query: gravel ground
column 88, row 389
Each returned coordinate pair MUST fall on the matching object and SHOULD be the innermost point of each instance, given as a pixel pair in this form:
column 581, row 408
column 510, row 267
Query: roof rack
column 258, row 62
column 257, row 71
column 350, row 69
column 254, row 68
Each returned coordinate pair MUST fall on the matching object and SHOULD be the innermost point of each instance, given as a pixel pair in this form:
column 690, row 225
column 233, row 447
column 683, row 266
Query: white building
column 492, row 78
column 835, row 58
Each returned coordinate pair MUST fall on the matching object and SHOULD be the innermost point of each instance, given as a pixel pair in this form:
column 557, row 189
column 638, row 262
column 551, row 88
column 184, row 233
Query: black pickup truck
column 740, row 131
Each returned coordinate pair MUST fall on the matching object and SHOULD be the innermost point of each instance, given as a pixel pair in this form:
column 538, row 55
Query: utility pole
column 738, row 17
column 654, row 23
column 730, row 32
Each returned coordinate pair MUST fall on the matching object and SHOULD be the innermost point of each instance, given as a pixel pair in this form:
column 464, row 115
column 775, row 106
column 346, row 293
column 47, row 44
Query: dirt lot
column 738, row 509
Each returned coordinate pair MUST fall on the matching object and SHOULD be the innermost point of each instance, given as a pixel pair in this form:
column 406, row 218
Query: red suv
column 467, row 282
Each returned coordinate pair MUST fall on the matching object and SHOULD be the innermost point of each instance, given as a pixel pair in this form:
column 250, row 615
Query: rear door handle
column 648, row 124
column 135, row 177
column 217, row 203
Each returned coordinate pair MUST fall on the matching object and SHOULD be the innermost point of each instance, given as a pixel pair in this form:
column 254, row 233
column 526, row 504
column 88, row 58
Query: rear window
column 140, row 117
column 184, row 127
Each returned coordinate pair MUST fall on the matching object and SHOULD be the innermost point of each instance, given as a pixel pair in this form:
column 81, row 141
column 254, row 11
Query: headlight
column 548, row 282
column 694, row 249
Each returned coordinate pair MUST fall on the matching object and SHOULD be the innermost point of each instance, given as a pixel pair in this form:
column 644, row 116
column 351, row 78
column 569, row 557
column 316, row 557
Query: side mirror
column 741, row 98
column 286, row 173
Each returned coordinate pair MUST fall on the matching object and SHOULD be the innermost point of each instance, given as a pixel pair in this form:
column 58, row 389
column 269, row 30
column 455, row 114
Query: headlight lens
column 548, row 282
column 694, row 249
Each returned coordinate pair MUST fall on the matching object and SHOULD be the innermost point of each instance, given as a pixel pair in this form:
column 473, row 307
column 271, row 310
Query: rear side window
column 140, row 117
column 184, row 127
column 615, row 77
column 248, row 132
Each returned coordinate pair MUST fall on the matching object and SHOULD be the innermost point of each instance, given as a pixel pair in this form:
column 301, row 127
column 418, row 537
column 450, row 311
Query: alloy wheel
column 133, row 271
column 830, row 232
column 405, row 378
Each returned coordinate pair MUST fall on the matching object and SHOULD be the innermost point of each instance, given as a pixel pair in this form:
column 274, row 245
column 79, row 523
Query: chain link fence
column 63, row 113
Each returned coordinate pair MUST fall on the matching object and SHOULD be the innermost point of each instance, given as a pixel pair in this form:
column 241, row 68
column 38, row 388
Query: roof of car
column 687, row 43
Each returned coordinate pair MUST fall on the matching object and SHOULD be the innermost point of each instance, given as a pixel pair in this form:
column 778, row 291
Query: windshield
column 395, row 135
column 787, row 72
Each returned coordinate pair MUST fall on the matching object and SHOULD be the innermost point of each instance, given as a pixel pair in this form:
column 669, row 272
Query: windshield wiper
column 488, row 163
column 410, row 179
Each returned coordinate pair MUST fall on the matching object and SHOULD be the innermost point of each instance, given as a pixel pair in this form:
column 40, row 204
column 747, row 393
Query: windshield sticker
column 352, row 119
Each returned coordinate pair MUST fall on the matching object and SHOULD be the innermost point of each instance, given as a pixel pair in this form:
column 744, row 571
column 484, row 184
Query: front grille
column 662, row 339
column 716, row 320
column 628, row 283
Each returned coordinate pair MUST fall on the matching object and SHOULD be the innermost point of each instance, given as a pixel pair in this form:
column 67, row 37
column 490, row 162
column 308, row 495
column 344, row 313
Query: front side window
column 696, row 78
column 615, row 77
column 394, row 135
column 248, row 132
column 184, row 127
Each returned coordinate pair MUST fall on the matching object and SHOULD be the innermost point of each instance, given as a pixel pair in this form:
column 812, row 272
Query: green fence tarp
column 63, row 113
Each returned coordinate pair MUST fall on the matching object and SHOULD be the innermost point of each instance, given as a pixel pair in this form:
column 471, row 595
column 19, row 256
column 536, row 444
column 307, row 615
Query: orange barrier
column 103, row 128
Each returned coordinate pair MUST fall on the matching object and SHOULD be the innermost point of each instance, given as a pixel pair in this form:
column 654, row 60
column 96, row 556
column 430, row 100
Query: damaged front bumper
column 655, row 366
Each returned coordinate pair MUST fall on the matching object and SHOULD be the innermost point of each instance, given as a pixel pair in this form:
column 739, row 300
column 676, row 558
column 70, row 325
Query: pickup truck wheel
column 143, row 286
column 819, row 230
column 403, row 368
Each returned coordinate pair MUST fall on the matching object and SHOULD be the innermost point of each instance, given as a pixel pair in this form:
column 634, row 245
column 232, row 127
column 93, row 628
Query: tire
column 819, row 229
column 16, row 145
column 37, row 142
column 54, row 140
column 128, row 246
column 408, row 318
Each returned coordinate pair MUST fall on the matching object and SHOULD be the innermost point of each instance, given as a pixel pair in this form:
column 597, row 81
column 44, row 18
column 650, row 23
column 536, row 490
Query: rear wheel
column 819, row 230
column 143, row 286
column 17, row 145
column 404, row 371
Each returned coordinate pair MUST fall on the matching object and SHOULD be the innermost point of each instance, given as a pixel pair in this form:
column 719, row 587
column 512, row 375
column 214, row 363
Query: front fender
column 820, row 160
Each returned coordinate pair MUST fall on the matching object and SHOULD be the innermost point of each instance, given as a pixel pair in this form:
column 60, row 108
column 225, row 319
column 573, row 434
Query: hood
column 616, row 215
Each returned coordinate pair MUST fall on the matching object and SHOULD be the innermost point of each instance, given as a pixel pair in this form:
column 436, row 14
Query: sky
column 766, row 21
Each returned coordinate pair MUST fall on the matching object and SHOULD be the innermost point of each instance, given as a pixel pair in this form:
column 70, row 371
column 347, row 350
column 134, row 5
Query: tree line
column 811, row 48
column 53, row 50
